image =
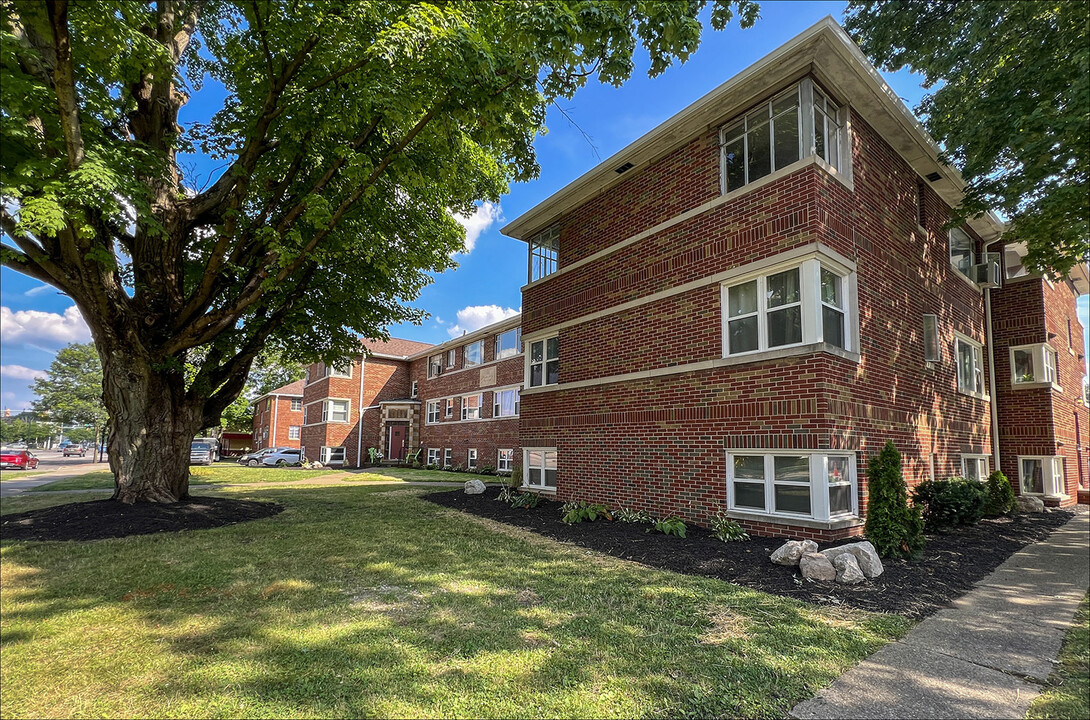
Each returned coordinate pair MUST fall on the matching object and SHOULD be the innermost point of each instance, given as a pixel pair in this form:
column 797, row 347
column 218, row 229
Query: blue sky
column 36, row 320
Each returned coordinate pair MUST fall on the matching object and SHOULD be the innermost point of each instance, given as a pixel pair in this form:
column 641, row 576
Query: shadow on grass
column 364, row 603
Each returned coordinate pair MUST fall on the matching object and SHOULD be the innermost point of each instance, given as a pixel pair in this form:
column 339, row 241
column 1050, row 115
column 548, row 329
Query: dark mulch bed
column 950, row 564
column 102, row 519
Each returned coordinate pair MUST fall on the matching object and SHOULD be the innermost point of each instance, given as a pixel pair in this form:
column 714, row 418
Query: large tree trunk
column 152, row 424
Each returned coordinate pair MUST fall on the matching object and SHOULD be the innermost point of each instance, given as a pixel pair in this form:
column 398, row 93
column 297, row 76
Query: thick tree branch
column 64, row 82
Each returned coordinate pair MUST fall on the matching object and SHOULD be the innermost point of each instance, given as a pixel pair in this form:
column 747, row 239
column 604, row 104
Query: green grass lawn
column 210, row 475
column 362, row 601
column 6, row 475
column 1068, row 691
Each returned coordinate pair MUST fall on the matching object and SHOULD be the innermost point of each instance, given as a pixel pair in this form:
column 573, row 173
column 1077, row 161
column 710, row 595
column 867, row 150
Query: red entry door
column 396, row 445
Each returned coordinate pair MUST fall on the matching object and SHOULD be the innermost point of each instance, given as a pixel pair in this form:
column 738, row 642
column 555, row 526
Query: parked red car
column 17, row 459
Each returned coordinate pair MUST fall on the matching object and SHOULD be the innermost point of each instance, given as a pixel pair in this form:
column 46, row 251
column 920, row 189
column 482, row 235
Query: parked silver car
column 284, row 457
column 254, row 459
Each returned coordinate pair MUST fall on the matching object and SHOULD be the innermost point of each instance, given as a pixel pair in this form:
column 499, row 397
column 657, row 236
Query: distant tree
column 1012, row 108
column 71, row 392
column 23, row 430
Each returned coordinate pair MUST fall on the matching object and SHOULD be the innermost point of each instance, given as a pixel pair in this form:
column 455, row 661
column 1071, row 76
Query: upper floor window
column 450, row 407
column 297, row 404
column 452, row 356
column 544, row 362
column 471, row 406
column 505, row 403
column 435, row 365
column 807, row 303
column 798, row 123
column 544, row 252
column 335, row 411
column 970, row 357
column 293, row 432
column 962, row 254
column 473, row 353
column 413, row 391
column 1033, row 364
column 509, row 343
column 433, row 411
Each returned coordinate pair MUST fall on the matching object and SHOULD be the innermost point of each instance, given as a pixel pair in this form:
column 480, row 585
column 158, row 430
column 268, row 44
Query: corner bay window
column 544, row 252
column 792, row 484
column 539, row 469
column 796, row 124
column 1041, row 475
column 962, row 255
column 543, row 362
column 1033, row 364
column 803, row 304
column 970, row 366
column 335, row 411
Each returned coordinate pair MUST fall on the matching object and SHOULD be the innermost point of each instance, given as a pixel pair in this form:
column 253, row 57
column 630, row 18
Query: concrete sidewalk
column 987, row 656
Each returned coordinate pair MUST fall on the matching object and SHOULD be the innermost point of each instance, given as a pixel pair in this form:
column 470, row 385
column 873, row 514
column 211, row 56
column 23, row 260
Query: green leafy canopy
column 71, row 392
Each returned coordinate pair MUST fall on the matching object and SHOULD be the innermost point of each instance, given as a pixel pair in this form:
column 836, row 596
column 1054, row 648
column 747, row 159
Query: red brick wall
column 278, row 408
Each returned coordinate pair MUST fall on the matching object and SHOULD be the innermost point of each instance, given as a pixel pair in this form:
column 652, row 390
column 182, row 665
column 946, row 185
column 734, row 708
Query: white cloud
column 477, row 316
column 21, row 372
column 478, row 222
column 43, row 328
column 38, row 290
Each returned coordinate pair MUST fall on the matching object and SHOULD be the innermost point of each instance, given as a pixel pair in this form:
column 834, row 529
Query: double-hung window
column 544, row 362
column 435, row 366
column 447, row 457
column 335, row 411
column 974, row 467
column 433, row 456
column 539, row 468
column 452, row 355
column 293, row 432
column 970, row 355
column 505, row 403
column 297, row 404
column 1033, row 364
column 509, row 344
column 471, row 459
column 962, row 255
column 413, row 391
column 433, row 411
column 450, row 407
column 471, row 407
column 504, row 460
column 332, row 455
column 833, row 308
column 792, row 484
column 473, row 354
column 1041, row 475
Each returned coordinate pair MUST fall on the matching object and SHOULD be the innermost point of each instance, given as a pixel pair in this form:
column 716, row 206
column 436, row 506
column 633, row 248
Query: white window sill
column 538, row 490
column 1036, row 385
column 978, row 396
column 838, row 523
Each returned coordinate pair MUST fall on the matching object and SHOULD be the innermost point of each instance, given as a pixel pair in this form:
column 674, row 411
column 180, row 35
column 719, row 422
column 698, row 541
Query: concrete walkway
column 987, row 656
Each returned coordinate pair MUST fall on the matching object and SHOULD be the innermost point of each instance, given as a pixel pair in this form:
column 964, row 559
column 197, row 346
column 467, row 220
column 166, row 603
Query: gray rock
column 790, row 552
column 865, row 556
column 815, row 566
column 1029, row 504
column 847, row 569
column 474, row 487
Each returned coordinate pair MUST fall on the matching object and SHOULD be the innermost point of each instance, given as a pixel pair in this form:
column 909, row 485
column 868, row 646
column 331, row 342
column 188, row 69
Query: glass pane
column 1033, row 480
column 552, row 369
column 786, row 132
column 965, row 366
column 551, row 348
column 783, row 288
column 550, row 469
column 734, row 131
column 840, row 499
column 819, row 133
column 792, row 498
column 786, row 102
column 759, row 160
column 536, row 350
column 750, row 495
column 972, row 469
column 961, row 250
column 819, row 99
column 785, row 327
column 830, row 288
column 742, row 299
column 755, row 118
column 749, row 466
column 832, row 155
column 1023, row 366
column 742, row 335
column 535, row 476
column 838, row 470
column 792, row 468
column 734, row 157
column 832, row 325
column 535, row 375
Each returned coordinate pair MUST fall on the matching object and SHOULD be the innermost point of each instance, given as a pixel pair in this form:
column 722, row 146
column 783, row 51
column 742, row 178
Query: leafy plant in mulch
column 948, row 503
column 634, row 517
column 999, row 495
column 578, row 511
column 669, row 526
column 893, row 526
column 727, row 530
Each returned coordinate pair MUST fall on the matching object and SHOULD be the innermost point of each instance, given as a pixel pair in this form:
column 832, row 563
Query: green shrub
column 951, row 502
column 515, row 479
column 669, row 526
column 633, row 516
column 487, row 470
column 524, row 500
column 999, row 495
column 728, row 530
column 578, row 511
column 894, row 527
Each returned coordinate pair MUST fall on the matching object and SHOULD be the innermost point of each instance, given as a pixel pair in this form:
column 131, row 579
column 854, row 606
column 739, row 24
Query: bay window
column 962, row 255
column 807, row 303
column 798, row 123
column 543, row 362
column 544, row 252
column 1033, row 364
column 970, row 357
column 1041, row 475
column 799, row 484
column 539, row 468
column 335, row 411
column 505, row 403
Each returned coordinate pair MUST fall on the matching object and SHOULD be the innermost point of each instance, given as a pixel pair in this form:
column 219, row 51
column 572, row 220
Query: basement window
column 792, row 484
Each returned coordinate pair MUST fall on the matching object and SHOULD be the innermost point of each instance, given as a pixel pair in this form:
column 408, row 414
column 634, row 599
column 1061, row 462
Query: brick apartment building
column 278, row 417
column 736, row 310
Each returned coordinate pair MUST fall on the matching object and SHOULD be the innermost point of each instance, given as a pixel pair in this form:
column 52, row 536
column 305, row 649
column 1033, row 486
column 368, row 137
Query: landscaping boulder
column 847, row 569
column 790, row 552
column 815, row 566
column 1029, row 504
column 865, row 556
column 474, row 487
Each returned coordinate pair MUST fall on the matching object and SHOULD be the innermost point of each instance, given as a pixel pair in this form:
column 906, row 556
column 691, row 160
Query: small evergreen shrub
column 999, row 495
column 515, row 479
column 486, row 470
column 947, row 503
column 728, row 530
column 893, row 526
column 633, row 516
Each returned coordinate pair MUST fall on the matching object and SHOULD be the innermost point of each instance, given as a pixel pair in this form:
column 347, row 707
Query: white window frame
column 471, row 411
column 1052, row 476
column 544, row 362
column 497, row 403
column 543, row 467
column 452, row 357
column 977, row 368
column 331, row 371
column 963, row 237
column 433, row 456
column 332, row 455
column 818, row 484
column 433, row 411
column 293, row 432
column 327, row 410
column 543, row 254
column 435, row 365
column 471, row 459
column 1045, row 366
column 810, row 306
column 983, row 463
column 449, row 412
column 503, row 353
column 448, row 457
column 296, row 404
column 413, row 389
column 505, row 459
